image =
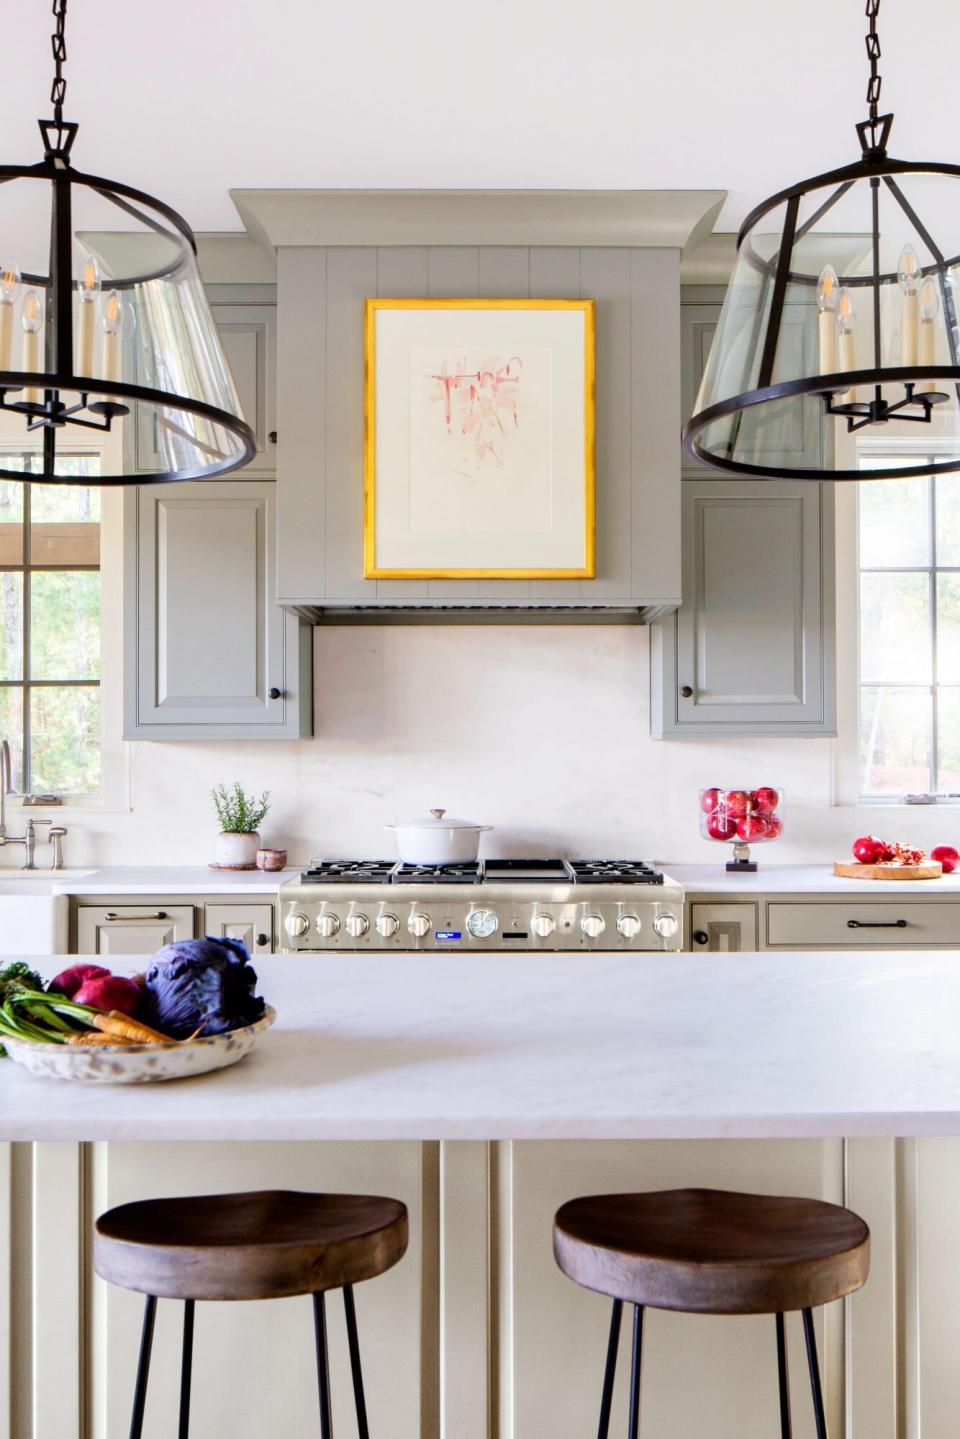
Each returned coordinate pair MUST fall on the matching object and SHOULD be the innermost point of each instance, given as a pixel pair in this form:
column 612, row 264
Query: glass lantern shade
column 103, row 317
column 839, row 330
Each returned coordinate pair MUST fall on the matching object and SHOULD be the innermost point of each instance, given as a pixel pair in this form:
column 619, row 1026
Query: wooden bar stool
column 707, row 1251
column 267, row 1245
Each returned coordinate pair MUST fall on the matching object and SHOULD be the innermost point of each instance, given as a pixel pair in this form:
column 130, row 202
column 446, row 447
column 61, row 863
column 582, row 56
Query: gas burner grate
column 614, row 871
column 349, row 871
column 436, row 874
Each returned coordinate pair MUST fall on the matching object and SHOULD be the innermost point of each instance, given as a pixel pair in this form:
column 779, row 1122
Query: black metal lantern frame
column 715, row 434
column 211, row 438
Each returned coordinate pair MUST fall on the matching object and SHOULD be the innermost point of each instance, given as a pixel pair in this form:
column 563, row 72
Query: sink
column 33, row 920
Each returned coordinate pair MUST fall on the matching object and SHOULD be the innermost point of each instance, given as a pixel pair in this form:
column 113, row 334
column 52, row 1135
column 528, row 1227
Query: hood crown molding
column 670, row 219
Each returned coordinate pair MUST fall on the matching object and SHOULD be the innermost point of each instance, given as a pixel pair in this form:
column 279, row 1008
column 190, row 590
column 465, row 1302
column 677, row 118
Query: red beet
column 110, row 991
column 72, row 979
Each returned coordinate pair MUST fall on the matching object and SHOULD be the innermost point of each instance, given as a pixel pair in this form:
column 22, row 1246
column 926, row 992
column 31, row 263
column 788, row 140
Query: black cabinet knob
column 262, row 940
column 687, row 691
column 272, row 437
column 700, row 936
column 274, row 693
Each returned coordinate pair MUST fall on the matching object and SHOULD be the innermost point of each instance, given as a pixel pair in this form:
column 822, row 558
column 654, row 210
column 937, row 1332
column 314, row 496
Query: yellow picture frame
column 371, row 569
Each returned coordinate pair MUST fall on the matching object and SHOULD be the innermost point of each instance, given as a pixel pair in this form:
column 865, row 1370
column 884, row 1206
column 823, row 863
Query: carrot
column 93, row 1039
column 131, row 1030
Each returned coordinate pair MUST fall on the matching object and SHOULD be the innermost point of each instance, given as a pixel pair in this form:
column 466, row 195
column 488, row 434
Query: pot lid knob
column 438, row 813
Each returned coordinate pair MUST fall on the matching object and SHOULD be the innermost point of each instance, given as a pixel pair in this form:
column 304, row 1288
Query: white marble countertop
column 548, row 1047
column 801, row 879
column 150, row 879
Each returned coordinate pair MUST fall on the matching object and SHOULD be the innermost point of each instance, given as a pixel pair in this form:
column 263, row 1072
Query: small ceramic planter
column 237, row 851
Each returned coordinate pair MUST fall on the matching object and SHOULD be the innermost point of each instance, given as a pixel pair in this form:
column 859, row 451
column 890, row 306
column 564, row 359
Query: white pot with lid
column 438, row 840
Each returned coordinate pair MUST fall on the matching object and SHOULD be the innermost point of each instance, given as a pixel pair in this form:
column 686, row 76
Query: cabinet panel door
column 750, row 651
column 701, row 1375
column 254, row 1362
column 723, row 928
column 131, row 928
column 209, row 653
column 251, row 923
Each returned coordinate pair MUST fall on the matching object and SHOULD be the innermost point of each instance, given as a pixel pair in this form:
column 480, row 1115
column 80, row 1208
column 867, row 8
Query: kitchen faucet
column 29, row 838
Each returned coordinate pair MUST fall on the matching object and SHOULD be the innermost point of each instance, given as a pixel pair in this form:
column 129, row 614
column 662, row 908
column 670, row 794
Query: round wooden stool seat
column 709, row 1251
column 265, row 1245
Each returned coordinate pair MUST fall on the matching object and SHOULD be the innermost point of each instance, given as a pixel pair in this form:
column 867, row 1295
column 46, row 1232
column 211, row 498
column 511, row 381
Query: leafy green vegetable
column 238, row 812
column 16, row 976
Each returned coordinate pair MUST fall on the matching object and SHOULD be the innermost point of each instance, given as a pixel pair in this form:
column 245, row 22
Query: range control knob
column 328, row 925
column 482, row 923
column 629, row 925
column 356, row 925
column 387, row 925
column 593, row 925
column 543, row 925
column 296, row 925
column 666, row 925
column 418, row 924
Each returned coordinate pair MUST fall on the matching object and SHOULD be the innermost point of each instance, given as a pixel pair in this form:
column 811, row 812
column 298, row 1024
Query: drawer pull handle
column 160, row 914
column 876, row 924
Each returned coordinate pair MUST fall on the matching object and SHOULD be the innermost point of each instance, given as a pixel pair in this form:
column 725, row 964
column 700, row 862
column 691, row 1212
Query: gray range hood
column 335, row 249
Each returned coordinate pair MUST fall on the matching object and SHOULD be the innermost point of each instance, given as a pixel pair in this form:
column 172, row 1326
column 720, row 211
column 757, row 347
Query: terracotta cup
column 271, row 859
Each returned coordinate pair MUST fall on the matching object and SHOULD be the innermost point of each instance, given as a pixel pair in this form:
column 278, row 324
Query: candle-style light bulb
column 32, row 322
column 846, row 342
column 929, row 302
column 112, row 327
column 87, row 290
column 827, row 293
column 909, row 279
column 9, row 282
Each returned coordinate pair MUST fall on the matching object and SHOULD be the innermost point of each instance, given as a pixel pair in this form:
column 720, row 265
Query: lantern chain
column 872, row 41
column 58, row 90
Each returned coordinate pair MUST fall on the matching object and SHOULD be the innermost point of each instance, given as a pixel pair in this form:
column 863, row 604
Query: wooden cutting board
column 852, row 869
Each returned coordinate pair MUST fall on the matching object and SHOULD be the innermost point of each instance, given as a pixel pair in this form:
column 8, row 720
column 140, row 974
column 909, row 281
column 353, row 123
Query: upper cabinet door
column 209, row 654
column 249, row 336
column 750, row 650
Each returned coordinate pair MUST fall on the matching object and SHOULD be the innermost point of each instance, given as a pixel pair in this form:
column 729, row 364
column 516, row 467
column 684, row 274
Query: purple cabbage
column 202, row 984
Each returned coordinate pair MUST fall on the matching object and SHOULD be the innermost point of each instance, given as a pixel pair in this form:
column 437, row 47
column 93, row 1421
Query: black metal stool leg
column 143, row 1368
column 816, row 1390
column 633, row 1428
column 353, row 1344
column 783, row 1376
column 186, row 1370
column 610, row 1371
column 323, row 1365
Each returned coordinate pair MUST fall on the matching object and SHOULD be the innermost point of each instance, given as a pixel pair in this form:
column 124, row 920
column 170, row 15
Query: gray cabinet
column 251, row 923
column 723, row 928
column 750, row 651
column 248, row 331
column 208, row 652
column 139, row 928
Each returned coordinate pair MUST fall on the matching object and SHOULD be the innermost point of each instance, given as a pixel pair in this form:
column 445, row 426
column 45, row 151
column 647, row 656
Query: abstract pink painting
column 482, row 405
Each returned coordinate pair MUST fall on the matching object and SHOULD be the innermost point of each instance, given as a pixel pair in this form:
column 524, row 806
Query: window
column 909, row 539
column 50, row 604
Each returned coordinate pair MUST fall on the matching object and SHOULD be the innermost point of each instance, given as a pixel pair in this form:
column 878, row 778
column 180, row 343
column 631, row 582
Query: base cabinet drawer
column 873, row 924
column 251, row 923
column 131, row 928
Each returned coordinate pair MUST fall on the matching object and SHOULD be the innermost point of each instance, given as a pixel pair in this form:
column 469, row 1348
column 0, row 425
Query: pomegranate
column 869, row 850
column 710, row 800
column 947, row 855
column 765, row 799
column 721, row 826
column 737, row 803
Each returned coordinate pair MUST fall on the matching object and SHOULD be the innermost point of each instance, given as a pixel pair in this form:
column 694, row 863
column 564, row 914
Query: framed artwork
column 479, row 439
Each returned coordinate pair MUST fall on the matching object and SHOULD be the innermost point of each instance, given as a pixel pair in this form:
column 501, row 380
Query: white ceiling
column 190, row 98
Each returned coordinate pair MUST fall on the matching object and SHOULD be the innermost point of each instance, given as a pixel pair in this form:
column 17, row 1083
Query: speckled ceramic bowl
column 139, row 1063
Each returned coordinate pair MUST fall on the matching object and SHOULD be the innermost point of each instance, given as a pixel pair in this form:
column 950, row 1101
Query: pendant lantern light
column 841, row 317
column 103, row 317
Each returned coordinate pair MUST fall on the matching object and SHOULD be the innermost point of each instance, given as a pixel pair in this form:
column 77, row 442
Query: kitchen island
column 483, row 1092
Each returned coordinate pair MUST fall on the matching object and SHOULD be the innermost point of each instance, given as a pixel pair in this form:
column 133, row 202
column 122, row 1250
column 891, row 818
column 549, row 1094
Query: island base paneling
column 476, row 1334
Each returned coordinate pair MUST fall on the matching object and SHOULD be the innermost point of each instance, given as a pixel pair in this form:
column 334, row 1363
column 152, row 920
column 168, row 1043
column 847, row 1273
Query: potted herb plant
column 240, row 816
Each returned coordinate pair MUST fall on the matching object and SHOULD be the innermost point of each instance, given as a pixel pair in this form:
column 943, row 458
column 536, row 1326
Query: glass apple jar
column 741, row 817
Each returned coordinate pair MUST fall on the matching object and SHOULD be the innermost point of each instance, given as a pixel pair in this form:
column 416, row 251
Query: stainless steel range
column 495, row 904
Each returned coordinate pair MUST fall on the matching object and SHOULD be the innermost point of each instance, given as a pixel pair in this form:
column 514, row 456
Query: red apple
column 720, row 826
column 948, row 857
column 736, row 802
column 765, row 799
column 710, row 800
column 752, row 827
column 870, row 850
column 774, row 826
